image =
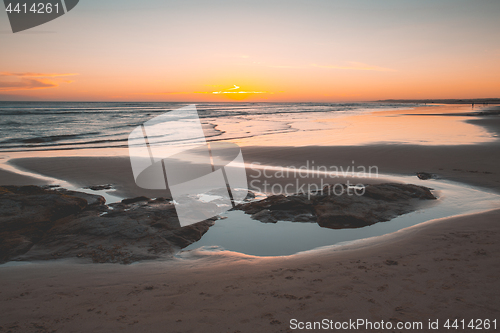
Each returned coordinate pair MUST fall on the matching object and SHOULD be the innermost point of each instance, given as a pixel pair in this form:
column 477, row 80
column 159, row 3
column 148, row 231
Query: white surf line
column 4, row 165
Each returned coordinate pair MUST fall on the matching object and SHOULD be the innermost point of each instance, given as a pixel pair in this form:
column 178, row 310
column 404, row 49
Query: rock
column 92, row 199
column 425, row 175
column 265, row 216
column 160, row 199
column 278, row 203
column 40, row 224
column 394, row 192
column 134, row 200
column 250, row 196
column 379, row 203
column 27, row 213
column 99, row 187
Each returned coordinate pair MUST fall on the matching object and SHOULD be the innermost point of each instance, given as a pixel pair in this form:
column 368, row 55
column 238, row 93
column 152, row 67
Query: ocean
column 29, row 126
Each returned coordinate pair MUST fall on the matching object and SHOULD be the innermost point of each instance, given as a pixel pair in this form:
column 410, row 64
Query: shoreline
column 439, row 269
column 400, row 158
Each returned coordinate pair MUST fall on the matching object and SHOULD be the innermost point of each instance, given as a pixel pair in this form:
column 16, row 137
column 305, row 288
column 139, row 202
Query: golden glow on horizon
column 235, row 94
column 340, row 51
column 319, row 83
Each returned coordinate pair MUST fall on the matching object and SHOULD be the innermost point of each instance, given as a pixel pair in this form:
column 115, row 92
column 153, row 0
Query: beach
column 443, row 270
column 439, row 269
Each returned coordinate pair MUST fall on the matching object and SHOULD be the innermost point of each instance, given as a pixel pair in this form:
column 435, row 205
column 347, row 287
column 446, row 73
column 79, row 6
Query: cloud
column 30, row 81
column 357, row 66
column 29, row 74
column 27, row 84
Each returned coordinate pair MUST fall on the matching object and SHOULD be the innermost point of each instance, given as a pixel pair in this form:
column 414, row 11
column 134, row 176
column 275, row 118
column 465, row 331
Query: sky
column 256, row 51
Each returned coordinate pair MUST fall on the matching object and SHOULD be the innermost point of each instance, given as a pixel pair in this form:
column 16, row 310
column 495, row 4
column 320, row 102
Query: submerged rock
column 99, row 187
column 134, row 200
column 378, row 203
column 40, row 224
column 425, row 175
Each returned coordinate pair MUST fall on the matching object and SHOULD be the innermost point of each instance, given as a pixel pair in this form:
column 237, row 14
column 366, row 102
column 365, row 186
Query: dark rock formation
column 45, row 223
column 91, row 199
column 425, row 175
column 378, row 203
column 100, row 187
column 27, row 213
column 40, row 224
column 134, row 200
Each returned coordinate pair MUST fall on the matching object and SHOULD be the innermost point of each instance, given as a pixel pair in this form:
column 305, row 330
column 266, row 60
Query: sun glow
column 236, row 94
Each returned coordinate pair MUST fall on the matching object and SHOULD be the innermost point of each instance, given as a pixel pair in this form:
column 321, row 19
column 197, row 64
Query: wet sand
column 475, row 165
column 12, row 178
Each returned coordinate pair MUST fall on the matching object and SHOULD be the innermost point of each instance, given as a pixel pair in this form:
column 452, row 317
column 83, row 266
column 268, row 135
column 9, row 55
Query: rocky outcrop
column 40, row 224
column 99, row 187
column 46, row 223
column 378, row 203
column 27, row 213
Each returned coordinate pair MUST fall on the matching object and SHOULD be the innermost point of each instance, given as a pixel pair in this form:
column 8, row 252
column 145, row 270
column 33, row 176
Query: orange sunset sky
column 275, row 51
